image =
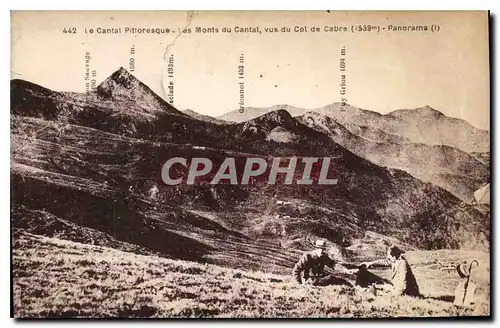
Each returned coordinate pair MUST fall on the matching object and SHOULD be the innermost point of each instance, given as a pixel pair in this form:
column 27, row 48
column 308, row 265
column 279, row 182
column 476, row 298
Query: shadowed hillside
column 94, row 161
column 454, row 170
column 126, row 173
column 97, row 233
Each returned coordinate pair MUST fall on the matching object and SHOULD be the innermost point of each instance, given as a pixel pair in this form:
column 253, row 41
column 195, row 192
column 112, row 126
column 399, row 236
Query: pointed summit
column 123, row 86
column 121, row 78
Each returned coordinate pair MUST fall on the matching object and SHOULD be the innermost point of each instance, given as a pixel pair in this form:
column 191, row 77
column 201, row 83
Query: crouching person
column 309, row 270
column 402, row 278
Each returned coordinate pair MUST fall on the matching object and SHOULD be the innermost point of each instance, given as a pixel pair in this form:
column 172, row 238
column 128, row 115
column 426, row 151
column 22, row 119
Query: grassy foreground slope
column 58, row 278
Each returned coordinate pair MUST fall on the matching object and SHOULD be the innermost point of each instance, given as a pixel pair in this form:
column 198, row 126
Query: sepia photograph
column 250, row 164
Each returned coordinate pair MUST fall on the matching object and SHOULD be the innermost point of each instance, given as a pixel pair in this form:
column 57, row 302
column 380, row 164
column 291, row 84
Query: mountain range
column 88, row 167
column 446, row 151
column 450, row 168
column 421, row 125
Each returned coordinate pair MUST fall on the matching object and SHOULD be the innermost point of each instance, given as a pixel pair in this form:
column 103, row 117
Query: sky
column 385, row 70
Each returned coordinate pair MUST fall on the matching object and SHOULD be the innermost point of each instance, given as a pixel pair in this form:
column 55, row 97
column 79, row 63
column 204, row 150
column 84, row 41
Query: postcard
column 250, row 164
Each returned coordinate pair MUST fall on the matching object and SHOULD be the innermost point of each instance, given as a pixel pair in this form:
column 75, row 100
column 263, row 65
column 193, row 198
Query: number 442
column 71, row 30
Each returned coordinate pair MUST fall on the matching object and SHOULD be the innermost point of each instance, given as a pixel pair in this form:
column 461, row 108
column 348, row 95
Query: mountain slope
column 78, row 280
column 201, row 117
column 62, row 164
column 454, row 170
column 104, row 166
column 438, row 129
column 420, row 125
column 122, row 86
column 250, row 113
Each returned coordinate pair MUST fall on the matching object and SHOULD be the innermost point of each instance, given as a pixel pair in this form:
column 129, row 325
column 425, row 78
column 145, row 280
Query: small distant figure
column 309, row 270
column 402, row 278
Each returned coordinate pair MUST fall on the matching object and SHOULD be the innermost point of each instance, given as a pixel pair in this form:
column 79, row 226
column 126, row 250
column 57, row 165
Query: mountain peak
column 122, row 84
column 269, row 121
column 120, row 77
column 339, row 104
column 429, row 110
column 279, row 116
column 122, row 72
column 279, row 125
column 424, row 111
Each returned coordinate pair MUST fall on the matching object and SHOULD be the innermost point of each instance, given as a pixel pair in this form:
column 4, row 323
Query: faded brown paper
column 397, row 103
column 447, row 70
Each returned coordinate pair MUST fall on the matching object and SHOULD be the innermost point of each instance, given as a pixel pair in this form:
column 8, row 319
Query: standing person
column 402, row 277
column 309, row 270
